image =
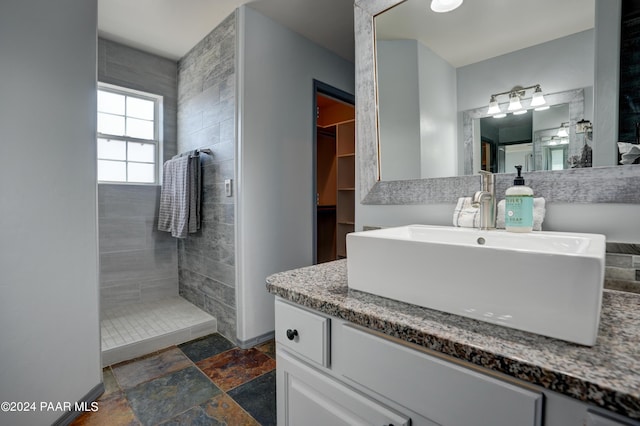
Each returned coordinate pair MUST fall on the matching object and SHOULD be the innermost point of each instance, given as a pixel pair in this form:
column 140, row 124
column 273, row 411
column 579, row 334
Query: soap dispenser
column 518, row 212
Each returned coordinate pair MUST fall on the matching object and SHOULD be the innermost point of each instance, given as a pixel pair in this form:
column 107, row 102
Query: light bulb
column 514, row 102
column 494, row 108
column 562, row 132
column 442, row 6
column 538, row 98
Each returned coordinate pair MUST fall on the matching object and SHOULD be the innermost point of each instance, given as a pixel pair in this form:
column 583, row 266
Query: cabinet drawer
column 443, row 392
column 302, row 332
column 308, row 397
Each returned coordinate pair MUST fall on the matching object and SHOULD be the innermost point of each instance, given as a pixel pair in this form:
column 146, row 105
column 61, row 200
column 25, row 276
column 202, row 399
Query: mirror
column 436, row 74
column 601, row 183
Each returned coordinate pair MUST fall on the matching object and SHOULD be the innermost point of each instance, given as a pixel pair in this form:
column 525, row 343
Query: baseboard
column 249, row 343
column 90, row 397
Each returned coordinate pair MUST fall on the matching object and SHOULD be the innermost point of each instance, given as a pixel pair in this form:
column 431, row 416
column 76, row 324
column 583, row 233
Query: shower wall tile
column 132, row 68
column 138, row 263
column 136, row 260
column 206, row 119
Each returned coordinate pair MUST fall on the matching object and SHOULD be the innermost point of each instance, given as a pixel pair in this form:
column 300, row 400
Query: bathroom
column 61, row 232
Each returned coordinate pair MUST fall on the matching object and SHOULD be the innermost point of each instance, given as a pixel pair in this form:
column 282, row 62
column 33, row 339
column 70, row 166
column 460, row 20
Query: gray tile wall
column 127, row 67
column 206, row 119
column 622, row 271
column 137, row 262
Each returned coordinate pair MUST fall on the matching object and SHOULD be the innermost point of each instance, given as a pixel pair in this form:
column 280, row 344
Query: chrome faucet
column 485, row 199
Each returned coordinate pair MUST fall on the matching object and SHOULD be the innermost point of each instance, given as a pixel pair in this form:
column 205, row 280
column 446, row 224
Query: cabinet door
column 308, row 397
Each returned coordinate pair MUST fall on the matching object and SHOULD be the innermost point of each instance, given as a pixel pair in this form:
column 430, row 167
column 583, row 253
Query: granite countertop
column 607, row 374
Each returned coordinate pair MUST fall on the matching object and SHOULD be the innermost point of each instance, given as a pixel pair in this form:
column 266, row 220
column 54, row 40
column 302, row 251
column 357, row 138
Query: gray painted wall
column 399, row 110
column 137, row 262
column 50, row 347
column 438, row 116
column 276, row 196
column 206, row 119
column 558, row 65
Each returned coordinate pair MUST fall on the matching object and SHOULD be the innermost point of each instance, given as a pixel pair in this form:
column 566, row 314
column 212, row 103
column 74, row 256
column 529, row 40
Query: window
column 128, row 135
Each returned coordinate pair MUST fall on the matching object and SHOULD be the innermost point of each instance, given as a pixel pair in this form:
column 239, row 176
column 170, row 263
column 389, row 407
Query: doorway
column 334, row 165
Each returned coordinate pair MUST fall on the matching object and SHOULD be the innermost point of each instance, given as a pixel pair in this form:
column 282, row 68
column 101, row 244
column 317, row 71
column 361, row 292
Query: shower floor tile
column 134, row 330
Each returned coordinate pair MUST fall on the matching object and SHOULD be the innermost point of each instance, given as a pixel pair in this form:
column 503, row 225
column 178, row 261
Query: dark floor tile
column 258, row 397
column 113, row 410
column 268, row 347
column 235, row 367
column 165, row 397
column 133, row 373
column 220, row 410
column 206, row 347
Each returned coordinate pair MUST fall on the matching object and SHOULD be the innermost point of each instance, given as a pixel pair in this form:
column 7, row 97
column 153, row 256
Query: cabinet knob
column 291, row 334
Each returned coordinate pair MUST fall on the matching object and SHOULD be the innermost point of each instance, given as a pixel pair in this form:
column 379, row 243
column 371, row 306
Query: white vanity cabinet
column 330, row 372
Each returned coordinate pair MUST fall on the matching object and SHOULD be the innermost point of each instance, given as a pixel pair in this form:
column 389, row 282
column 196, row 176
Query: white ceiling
column 479, row 30
column 476, row 31
column 170, row 28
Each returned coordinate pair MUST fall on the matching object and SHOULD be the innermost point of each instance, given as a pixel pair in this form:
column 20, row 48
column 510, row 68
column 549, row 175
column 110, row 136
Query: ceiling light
column 442, row 6
column 494, row 108
column 514, row 102
column 520, row 112
column 538, row 98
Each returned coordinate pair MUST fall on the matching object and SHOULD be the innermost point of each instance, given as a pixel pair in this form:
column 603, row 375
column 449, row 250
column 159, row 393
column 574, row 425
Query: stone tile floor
column 208, row 381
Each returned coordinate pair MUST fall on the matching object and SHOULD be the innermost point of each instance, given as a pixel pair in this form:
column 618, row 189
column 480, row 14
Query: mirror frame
column 609, row 184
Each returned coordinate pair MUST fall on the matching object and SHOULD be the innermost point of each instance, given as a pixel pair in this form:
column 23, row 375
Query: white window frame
column 157, row 130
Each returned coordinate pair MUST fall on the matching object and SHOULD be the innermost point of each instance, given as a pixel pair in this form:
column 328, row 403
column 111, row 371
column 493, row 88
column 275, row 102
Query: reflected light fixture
column 494, row 108
column 500, row 115
column 442, row 6
column 562, row 131
column 515, row 97
column 537, row 99
column 514, row 102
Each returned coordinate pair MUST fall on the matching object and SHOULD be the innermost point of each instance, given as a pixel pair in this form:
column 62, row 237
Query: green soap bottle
column 518, row 212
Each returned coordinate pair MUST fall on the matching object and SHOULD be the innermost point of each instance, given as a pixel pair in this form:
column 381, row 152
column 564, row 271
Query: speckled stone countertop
column 607, row 375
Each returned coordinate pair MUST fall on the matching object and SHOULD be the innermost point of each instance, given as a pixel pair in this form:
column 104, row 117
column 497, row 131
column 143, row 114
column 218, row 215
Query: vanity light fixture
column 500, row 115
column 515, row 97
column 520, row 112
column 442, row 6
column 562, row 131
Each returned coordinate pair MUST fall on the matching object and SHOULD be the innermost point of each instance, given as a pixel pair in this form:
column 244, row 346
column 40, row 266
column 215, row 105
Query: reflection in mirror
column 436, row 72
column 556, row 137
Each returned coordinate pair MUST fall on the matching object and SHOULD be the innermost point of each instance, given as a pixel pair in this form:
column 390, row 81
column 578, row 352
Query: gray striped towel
column 180, row 195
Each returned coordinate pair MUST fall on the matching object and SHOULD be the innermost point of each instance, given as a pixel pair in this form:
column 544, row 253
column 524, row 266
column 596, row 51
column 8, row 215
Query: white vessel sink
column 548, row 283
